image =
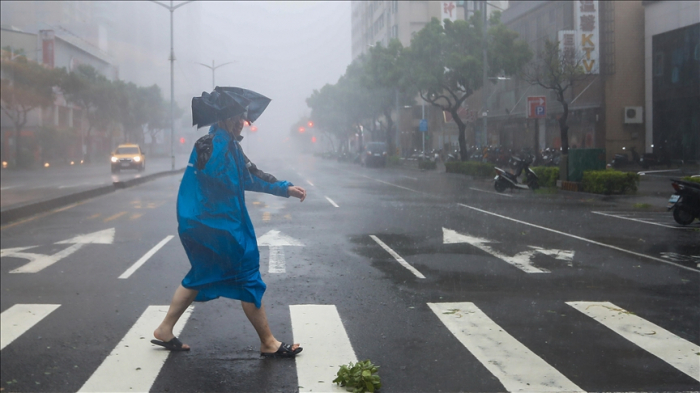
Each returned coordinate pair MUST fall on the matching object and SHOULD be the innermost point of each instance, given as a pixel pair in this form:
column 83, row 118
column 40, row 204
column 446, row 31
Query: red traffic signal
column 182, row 140
column 311, row 124
column 301, row 130
column 313, row 139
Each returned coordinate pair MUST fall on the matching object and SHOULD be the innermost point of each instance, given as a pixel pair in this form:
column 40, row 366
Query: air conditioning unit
column 634, row 115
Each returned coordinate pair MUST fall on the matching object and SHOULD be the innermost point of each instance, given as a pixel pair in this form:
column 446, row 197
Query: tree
column 89, row 89
column 383, row 77
column 556, row 71
column 445, row 64
column 28, row 86
column 340, row 108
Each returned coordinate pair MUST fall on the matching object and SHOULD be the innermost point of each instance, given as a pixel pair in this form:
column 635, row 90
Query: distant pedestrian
column 213, row 222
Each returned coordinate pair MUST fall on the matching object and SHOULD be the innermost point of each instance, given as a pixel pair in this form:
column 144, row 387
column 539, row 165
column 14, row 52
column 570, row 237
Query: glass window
column 127, row 150
column 658, row 65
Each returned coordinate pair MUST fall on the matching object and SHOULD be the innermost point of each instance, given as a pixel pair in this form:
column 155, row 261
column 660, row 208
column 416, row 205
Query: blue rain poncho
column 214, row 225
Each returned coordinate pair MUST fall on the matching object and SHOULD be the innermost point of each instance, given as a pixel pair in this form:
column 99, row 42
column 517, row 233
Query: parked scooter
column 505, row 179
column 685, row 202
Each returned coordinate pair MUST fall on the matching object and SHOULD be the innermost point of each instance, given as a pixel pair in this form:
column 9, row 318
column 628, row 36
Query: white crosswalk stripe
column 133, row 365
column 658, row 341
column 19, row 318
column 326, row 346
column 516, row 366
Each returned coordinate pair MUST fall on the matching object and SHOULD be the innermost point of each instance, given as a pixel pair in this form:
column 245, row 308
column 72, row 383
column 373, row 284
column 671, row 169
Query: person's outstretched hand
column 297, row 192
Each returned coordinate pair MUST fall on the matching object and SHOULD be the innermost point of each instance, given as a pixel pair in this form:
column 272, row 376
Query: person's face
column 235, row 125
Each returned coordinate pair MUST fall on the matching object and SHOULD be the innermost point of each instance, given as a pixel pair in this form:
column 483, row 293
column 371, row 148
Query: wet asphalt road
column 24, row 186
column 646, row 270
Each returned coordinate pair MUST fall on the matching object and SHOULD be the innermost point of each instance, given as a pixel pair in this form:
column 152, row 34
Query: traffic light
column 311, row 124
column 182, row 140
column 301, row 130
column 313, row 139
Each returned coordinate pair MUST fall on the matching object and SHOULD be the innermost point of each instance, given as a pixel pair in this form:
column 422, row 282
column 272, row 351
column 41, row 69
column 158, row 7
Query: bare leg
column 257, row 317
column 182, row 299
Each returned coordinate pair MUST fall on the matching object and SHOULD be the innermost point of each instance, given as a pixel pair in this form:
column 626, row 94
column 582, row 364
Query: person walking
column 213, row 222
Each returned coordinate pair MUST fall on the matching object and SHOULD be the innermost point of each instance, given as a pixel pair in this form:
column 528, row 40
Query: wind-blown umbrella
column 227, row 102
column 257, row 101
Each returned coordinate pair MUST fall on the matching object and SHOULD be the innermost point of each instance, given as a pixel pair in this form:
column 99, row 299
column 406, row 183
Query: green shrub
column 471, row 168
column 393, row 161
column 548, row 175
column 610, row 182
column 424, row 164
column 359, row 378
column 692, row 179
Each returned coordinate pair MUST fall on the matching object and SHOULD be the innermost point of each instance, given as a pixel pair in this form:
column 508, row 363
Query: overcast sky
column 283, row 50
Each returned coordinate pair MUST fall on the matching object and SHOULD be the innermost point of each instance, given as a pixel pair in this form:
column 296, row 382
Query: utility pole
column 423, row 117
column 213, row 71
column 484, row 115
column 172, row 9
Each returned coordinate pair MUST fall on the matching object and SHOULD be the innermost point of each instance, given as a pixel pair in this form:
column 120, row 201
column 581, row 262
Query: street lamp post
column 213, row 68
column 484, row 115
column 172, row 9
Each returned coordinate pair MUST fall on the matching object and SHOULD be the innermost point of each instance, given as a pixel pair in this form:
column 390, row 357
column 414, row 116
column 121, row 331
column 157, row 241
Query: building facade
column 381, row 21
column 54, row 50
column 599, row 105
column 672, row 76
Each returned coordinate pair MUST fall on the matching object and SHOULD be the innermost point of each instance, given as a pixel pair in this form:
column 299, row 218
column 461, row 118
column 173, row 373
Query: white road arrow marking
column 38, row 262
column 276, row 240
column 521, row 260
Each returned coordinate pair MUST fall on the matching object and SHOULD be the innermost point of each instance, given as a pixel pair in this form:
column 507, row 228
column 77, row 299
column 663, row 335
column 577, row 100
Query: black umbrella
column 227, row 102
column 256, row 101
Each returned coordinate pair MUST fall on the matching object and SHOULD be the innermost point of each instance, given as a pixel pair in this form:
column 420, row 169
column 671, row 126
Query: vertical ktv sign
column 587, row 22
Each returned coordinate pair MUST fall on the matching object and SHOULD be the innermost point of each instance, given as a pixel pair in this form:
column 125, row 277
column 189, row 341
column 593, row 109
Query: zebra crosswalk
column 134, row 364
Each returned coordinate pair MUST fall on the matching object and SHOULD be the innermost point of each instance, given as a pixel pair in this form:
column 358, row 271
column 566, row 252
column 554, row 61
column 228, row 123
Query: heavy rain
column 331, row 196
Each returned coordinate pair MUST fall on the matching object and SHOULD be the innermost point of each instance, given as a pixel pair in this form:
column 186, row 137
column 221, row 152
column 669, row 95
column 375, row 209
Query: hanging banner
column 48, row 43
column 448, row 10
column 587, row 22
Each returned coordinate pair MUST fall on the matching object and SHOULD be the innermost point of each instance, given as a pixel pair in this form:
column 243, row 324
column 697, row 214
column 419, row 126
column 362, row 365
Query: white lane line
column 9, row 187
column 518, row 368
column 409, row 177
column 319, row 330
column 583, row 238
column 637, row 220
column 21, row 317
column 134, row 363
column 75, row 185
column 398, row 257
column 491, row 192
column 679, row 353
column 144, row 258
column 312, row 184
column 331, row 201
column 551, row 230
column 395, row 185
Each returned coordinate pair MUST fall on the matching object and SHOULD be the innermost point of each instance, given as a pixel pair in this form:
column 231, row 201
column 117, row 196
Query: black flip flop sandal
column 173, row 345
column 284, row 351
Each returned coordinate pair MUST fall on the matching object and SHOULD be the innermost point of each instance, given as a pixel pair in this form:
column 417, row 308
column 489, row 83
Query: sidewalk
column 653, row 190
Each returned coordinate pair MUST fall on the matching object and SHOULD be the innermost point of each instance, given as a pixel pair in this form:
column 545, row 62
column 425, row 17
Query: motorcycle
column 622, row 160
column 685, row 202
column 505, row 179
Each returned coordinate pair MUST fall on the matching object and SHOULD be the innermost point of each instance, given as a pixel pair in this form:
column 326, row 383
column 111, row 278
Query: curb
column 14, row 214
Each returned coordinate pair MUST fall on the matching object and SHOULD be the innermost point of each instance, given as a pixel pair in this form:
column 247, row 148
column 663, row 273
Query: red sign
column 536, row 107
column 48, row 42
